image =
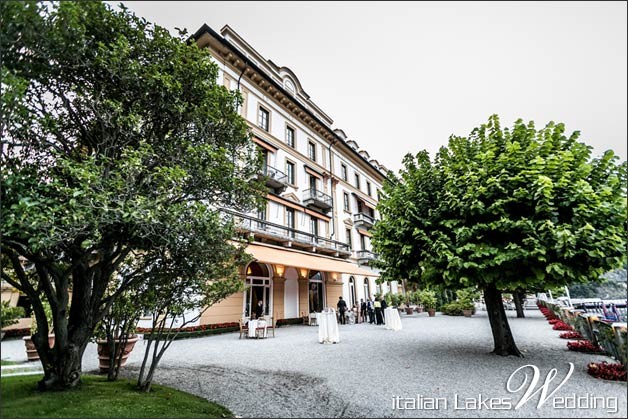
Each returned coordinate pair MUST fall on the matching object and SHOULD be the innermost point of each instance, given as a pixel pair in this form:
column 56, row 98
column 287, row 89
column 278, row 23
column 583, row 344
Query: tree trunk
column 62, row 367
column 518, row 297
column 502, row 336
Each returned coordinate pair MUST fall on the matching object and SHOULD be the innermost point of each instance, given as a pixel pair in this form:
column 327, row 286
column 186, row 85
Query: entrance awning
column 302, row 260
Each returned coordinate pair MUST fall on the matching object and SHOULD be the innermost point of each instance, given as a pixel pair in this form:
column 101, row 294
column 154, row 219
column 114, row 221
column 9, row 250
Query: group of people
column 371, row 310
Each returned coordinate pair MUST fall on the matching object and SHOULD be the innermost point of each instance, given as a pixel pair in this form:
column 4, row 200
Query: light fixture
column 279, row 269
column 303, row 272
column 334, row 276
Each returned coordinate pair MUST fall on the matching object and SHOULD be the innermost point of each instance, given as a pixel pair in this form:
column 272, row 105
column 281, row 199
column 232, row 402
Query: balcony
column 363, row 220
column 274, row 178
column 365, row 257
column 267, row 232
column 317, row 199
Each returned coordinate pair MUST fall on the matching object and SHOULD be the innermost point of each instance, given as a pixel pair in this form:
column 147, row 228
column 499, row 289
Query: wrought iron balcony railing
column 285, row 234
column 363, row 219
column 316, row 198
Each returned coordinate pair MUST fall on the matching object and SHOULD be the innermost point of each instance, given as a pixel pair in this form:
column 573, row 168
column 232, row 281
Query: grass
column 4, row 362
column 98, row 398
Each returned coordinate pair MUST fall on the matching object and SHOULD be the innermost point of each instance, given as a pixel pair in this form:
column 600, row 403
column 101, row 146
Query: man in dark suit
column 342, row 308
column 363, row 310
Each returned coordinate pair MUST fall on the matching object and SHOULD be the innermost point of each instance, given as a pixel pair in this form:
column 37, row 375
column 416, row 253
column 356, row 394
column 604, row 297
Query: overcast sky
column 401, row 77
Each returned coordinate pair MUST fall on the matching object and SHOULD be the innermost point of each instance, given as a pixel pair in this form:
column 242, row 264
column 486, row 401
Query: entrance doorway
column 259, row 284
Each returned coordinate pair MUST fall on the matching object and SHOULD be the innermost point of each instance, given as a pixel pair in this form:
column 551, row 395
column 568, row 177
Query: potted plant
column 31, row 350
column 466, row 296
column 9, row 316
column 115, row 335
column 428, row 300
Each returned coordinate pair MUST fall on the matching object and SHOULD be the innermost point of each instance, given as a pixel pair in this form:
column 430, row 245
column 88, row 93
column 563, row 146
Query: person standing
column 259, row 309
column 363, row 310
column 370, row 308
column 378, row 312
column 384, row 305
column 342, row 308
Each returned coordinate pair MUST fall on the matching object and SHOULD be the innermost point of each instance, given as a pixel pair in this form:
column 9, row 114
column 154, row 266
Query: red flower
column 584, row 346
column 607, row 371
column 570, row 335
column 559, row 325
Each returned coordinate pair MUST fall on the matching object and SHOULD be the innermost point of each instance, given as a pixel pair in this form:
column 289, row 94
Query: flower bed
column 585, row 346
column 570, row 335
column 196, row 331
column 560, row 325
column 606, row 371
column 554, row 321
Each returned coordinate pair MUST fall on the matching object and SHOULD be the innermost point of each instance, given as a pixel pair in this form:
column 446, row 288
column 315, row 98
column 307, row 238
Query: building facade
column 312, row 242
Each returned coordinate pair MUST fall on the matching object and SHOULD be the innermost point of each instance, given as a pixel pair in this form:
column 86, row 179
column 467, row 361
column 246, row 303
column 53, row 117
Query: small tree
column 504, row 209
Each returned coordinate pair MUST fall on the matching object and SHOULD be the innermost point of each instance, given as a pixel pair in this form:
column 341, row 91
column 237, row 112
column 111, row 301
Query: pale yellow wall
column 278, row 288
column 334, row 290
column 228, row 310
column 304, row 301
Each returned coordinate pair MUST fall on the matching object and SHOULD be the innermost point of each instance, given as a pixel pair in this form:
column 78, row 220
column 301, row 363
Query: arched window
column 259, row 288
column 367, row 289
column 316, row 288
column 352, row 298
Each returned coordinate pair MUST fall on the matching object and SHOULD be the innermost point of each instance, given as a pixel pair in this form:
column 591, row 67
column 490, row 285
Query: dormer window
column 289, row 86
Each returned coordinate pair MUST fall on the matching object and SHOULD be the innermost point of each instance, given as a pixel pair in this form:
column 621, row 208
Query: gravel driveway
column 441, row 357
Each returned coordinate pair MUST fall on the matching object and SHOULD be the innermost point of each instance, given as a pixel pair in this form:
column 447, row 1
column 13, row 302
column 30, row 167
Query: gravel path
column 294, row 376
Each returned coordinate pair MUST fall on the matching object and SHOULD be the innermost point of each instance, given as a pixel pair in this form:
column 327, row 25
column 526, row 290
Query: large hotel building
column 312, row 241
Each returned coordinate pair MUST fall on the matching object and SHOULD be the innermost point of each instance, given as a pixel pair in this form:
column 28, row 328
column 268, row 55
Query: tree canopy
column 504, row 209
column 116, row 142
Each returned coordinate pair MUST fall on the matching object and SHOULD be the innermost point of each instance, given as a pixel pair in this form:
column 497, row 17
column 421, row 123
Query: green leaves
column 514, row 207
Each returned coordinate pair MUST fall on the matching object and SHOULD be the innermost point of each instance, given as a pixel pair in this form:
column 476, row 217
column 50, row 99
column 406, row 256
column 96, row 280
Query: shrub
column 9, row 315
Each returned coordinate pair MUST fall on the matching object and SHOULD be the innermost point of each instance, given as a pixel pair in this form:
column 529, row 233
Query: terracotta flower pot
column 419, row 309
column 104, row 355
column 409, row 310
column 431, row 312
column 467, row 313
column 31, row 351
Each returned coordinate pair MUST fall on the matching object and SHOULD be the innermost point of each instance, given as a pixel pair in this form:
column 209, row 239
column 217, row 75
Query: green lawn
column 3, row 362
column 98, row 398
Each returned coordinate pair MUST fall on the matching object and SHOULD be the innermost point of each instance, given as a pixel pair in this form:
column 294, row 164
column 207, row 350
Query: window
column 290, row 172
column 316, row 292
column 368, row 188
column 261, row 215
column 367, row 288
column 311, row 150
column 362, row 241
column 352, row 291
column 313, row 183
column 345, row 200
column 290, row 220
column 314, row 225
column 357, row 181
column 263, row 119
column 343, row 171
column 290, row 136
column 348, row 233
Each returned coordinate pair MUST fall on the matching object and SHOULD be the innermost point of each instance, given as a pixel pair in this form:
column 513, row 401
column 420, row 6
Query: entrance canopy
column 301, row 260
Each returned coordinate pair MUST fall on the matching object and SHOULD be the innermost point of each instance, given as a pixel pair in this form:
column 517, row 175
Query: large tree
column 504, row 209
column 117, row 142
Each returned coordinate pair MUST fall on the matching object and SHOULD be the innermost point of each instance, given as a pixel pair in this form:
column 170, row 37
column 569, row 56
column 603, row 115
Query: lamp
column 279, row 269
column 303, row 272
column 334, row 276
